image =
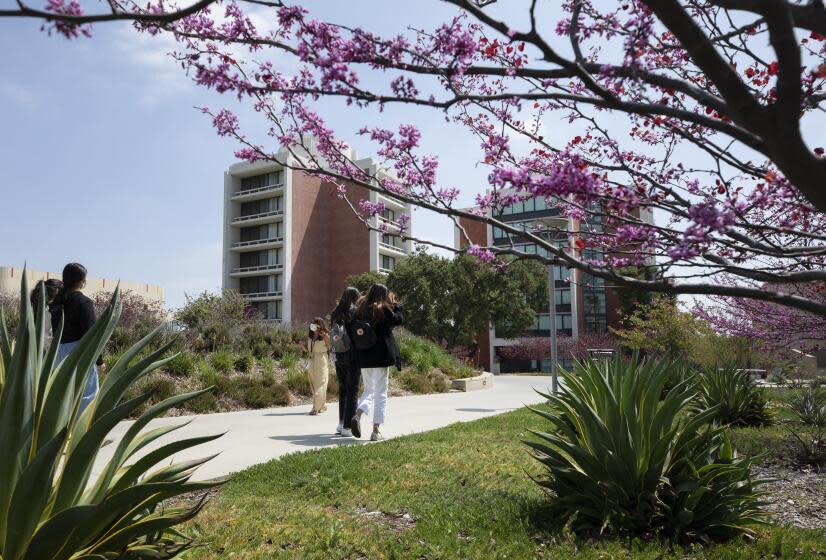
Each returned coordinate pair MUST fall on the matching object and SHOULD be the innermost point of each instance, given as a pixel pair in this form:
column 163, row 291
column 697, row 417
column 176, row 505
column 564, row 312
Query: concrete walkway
column 257, row 436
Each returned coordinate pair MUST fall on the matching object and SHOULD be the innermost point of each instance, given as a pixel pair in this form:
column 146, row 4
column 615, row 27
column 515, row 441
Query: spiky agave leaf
column 50, row 507
column 625, row 455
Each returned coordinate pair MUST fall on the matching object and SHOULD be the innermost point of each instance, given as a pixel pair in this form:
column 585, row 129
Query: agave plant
column 736, row 397
column 809, row 405
column 623, row 460
column 51, row 507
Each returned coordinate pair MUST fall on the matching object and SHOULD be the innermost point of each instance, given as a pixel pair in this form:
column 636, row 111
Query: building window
column 269, row 310
column 388, row 262
column 389, row 215
column 253, row 233
column 261, row 258
column 261, row 206
column 260, row 284
column 260, row 181
column 394, row 240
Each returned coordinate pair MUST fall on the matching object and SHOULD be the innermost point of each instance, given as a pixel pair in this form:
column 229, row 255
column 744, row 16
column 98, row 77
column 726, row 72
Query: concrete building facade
column 290, row 242
column 10, row 283
column 583, row 303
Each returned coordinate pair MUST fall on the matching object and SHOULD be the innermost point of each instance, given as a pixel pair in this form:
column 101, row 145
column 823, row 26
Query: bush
column 621, row 459
column 735, row 397
column 209, row 375
column 423, row 384
column 122, row 510
column 222, row 361
column 244, row 363
column 254, row 391
column 809, row 405
column 182, row 365
column 424, row 356
column 298, row 382
column 290, row 360
column 332, row 385
column 809, row 445
column 204, row 404
column 267, row 366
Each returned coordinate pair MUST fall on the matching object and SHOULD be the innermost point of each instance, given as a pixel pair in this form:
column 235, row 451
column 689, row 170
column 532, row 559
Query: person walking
column 52, row 289
column 377, row 314
column 318, row 345
column 344, row 356
column 78, row 319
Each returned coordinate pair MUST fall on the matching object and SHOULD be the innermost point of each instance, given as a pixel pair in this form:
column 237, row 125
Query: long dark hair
column 371, row 307
column 52, row 289
column 322, row 329
column 348, row 299
column 74, row 274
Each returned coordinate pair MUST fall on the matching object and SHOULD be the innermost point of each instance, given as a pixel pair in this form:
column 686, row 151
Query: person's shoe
column 314, row 412
column 376, row 436
column 340, row 427
column 355, row 426
column 346, row 433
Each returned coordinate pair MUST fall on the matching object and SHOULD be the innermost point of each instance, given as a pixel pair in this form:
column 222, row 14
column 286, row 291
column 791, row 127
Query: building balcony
column 263, row 296
column 257, row 244
column 385, row 270
column 392, row 248
column 255, row 270
column 254, row 219
column 391, row 202
column 255, row 194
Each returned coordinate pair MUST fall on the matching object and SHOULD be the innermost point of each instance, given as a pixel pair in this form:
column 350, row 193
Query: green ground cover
column 459, row 492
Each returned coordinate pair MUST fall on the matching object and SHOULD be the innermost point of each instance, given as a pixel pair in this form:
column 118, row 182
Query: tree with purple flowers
column 689, row 123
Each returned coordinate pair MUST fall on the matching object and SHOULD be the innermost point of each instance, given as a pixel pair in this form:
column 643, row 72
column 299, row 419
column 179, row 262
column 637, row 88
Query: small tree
column 661, row 329
column 212, row 320
column 363, row 281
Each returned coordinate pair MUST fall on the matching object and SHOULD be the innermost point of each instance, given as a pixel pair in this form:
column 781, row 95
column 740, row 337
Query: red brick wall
column 328, row 245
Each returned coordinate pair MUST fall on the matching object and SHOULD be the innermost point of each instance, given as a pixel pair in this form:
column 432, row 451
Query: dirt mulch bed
column 796, row 497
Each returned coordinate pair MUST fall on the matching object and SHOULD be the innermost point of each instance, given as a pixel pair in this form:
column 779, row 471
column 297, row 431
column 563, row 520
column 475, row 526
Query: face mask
column 314, row 327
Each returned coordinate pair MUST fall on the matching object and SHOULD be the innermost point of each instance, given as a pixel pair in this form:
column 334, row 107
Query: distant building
column 290, row 242
column 10, row 283
column 583, row 303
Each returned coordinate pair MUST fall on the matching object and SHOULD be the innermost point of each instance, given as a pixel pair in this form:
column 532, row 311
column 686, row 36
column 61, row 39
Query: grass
column 466, row 486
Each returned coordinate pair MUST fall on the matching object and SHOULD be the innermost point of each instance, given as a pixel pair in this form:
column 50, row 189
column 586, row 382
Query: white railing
column 258, row 268
column 257, row 242
column 385, row 270
column 391, row 246
column 258, row 190
column 256, row 216
column 254, row 295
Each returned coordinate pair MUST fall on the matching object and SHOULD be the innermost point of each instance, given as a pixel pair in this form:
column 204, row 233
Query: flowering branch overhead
column 685, row 144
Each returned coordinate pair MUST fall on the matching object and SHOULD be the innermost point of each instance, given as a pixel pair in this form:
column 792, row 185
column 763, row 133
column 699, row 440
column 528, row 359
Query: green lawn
column 466, row 486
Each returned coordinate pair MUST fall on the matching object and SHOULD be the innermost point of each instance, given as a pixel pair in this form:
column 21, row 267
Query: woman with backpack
column 318, row 345
column 344, row 356
column 376, row 315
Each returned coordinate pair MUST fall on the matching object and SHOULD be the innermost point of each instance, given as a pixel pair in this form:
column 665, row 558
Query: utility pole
column 552, row 309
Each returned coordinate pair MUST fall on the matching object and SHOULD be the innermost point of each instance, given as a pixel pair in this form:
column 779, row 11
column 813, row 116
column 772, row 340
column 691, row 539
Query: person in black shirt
column 347, row 371
column 78, row 318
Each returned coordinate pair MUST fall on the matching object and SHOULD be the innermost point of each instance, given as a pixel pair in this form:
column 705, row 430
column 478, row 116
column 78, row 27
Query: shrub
column 290, row 360
column 734, row 396
column 267, row 367
column 119, row 512
column 332, row 385
column 809, row 445
column 209, row 375
column 420, row 383
column 204, row 404
column 621, row 459
column 254, row 392
column 222, row 361
column 244, row 363
column 809, row 405
column 298, row 382
column 423, row 356
column 181, row 365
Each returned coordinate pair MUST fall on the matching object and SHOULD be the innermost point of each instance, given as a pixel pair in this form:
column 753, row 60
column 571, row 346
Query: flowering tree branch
column 685, row 147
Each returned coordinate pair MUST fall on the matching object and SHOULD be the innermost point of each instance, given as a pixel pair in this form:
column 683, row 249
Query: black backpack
column 364, row 335
column 339, row 339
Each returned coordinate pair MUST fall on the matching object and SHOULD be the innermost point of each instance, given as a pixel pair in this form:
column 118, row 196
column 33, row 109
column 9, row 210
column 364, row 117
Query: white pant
column 375, row 393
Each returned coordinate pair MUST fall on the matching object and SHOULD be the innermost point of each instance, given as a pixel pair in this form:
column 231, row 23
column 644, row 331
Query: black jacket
column 385, row 352
column 78, row 318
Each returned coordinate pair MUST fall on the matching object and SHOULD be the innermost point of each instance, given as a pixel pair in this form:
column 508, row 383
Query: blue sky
column 106, row 161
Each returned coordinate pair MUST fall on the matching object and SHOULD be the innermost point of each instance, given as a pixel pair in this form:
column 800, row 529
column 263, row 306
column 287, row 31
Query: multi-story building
column 583, row 303
column 290, row 242
column 10, row 283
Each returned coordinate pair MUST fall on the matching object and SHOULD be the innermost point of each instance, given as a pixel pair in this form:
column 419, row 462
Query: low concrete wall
column 484, row 381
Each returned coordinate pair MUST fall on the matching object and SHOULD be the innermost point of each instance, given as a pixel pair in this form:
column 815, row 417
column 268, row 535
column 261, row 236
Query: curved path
column 257, row 436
